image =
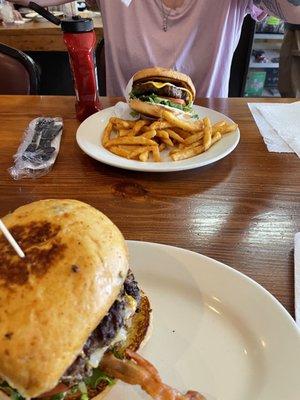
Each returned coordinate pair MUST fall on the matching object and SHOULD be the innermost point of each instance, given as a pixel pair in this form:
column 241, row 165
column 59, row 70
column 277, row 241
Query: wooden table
column 39, row 36
column 242, row 210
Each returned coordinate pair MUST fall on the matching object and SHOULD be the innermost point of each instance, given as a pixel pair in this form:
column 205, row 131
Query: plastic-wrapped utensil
column 38, row 149
column 6, row 12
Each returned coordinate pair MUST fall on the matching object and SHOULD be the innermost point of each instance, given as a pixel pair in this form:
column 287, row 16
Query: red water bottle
column 80, row 39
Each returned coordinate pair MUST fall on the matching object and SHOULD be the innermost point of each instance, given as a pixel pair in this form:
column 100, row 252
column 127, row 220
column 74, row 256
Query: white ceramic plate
column 31, row 15
column 89, row 140
column 214, row 329
column 36, row 16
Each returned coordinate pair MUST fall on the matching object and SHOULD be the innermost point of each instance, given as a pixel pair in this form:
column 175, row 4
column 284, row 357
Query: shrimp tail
column 135, row 370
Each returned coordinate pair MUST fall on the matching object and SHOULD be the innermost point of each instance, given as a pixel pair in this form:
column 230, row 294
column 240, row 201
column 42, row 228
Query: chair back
column 241, row 59
column 18, row 72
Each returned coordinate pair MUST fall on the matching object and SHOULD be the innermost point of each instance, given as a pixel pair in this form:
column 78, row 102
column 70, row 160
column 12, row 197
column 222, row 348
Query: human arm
column 17, row 15
column 287, row 10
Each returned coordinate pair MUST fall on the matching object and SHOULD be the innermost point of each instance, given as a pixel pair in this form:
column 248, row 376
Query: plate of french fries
column 167, row 144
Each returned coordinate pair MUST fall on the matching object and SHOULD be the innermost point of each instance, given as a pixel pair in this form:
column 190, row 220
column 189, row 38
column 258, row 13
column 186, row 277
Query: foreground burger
column 71, row 313
column 156, row 88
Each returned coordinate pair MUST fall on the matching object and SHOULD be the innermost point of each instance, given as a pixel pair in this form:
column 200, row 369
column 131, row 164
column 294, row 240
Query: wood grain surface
column 242, row 210
column 39, row 35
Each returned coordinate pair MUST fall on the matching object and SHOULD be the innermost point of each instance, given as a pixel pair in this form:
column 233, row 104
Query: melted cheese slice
column 159, row 85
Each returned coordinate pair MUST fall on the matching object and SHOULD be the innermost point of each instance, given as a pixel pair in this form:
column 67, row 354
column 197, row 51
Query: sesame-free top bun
column 75, row 265
column 168, row 75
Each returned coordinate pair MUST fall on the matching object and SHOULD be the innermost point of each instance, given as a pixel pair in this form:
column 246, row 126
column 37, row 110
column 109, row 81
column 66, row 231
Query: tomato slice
column 178, row 101
column 58, row 389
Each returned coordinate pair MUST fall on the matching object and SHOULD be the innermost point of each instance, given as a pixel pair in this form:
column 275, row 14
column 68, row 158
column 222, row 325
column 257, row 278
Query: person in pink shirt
column 197, row 37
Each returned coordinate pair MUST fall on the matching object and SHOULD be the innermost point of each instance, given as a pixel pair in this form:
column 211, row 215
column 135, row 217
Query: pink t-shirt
column 200, row 41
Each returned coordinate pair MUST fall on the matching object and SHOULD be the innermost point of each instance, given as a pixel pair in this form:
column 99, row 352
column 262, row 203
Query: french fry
column 182, row 133
column 187, row 153
column 230, row 128
column 131, row 141
column 138, row 139
column 185, row 125
column 164, row 135
column 122, row 123
column 145, row 128
column 137, row 152
column 226, row 128
column 216, row 137
column 144, row 156
column 175, row 150
column 119, row 151
column 194, row 151
column 168, row 142
column 106, row 133
column 149, row 134
column 174, row 135
column 138, row 126
column 191, row 146
column 156, row 155
column 160, row 124
column 129, row 147
column 193, row 138
column 218, row 126
column 195, row 144
column 124, row 132
column 207, row 133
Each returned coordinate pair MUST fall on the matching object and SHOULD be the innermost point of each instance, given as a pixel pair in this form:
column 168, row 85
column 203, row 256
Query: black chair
column 100, row 62
column 19, row 74
column 241, row 59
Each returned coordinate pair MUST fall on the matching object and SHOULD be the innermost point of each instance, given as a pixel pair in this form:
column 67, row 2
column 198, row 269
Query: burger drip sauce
column 80, row 39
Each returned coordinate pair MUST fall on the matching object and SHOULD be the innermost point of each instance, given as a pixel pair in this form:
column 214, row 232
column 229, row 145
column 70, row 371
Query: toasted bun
column 153, row 110
column 150, row 110
column 75, row 265
column 167, row 75
column 138, row 335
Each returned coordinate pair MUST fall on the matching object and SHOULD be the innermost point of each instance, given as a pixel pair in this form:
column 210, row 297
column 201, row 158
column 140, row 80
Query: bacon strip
column 138, row 371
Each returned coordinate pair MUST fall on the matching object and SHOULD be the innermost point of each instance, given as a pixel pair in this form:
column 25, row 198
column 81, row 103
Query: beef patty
column 144, row 89
column 104, row 334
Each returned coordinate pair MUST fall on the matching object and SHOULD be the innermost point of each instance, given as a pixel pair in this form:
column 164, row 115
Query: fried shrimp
column 135, row 370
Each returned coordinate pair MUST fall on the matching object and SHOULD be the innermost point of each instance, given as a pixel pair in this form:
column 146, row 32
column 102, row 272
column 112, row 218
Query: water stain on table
column 129, row 190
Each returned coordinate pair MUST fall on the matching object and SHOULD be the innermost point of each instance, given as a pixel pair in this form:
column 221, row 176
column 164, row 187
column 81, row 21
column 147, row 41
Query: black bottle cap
column 77, row 24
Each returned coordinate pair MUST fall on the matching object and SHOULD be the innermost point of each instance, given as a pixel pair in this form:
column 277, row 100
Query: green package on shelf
column 255, row 83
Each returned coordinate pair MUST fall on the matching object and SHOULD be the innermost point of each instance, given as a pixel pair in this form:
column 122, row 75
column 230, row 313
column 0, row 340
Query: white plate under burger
column 214, row 329
column 35, row 16
column 90, row 132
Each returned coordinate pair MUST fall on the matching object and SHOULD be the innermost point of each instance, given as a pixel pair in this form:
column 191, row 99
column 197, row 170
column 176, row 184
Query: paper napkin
column 279, row 125
column 297, row 277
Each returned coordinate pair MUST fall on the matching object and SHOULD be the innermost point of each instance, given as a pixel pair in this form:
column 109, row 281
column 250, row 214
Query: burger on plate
column 154, row 89
column 72, row 315
column 72, row 298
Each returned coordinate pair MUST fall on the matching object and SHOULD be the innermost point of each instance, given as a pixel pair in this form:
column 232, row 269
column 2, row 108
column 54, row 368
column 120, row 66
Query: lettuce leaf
column 58, row 396
column 92, row 381
column 14, row 394
column 97, row 377
column 154, row 99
